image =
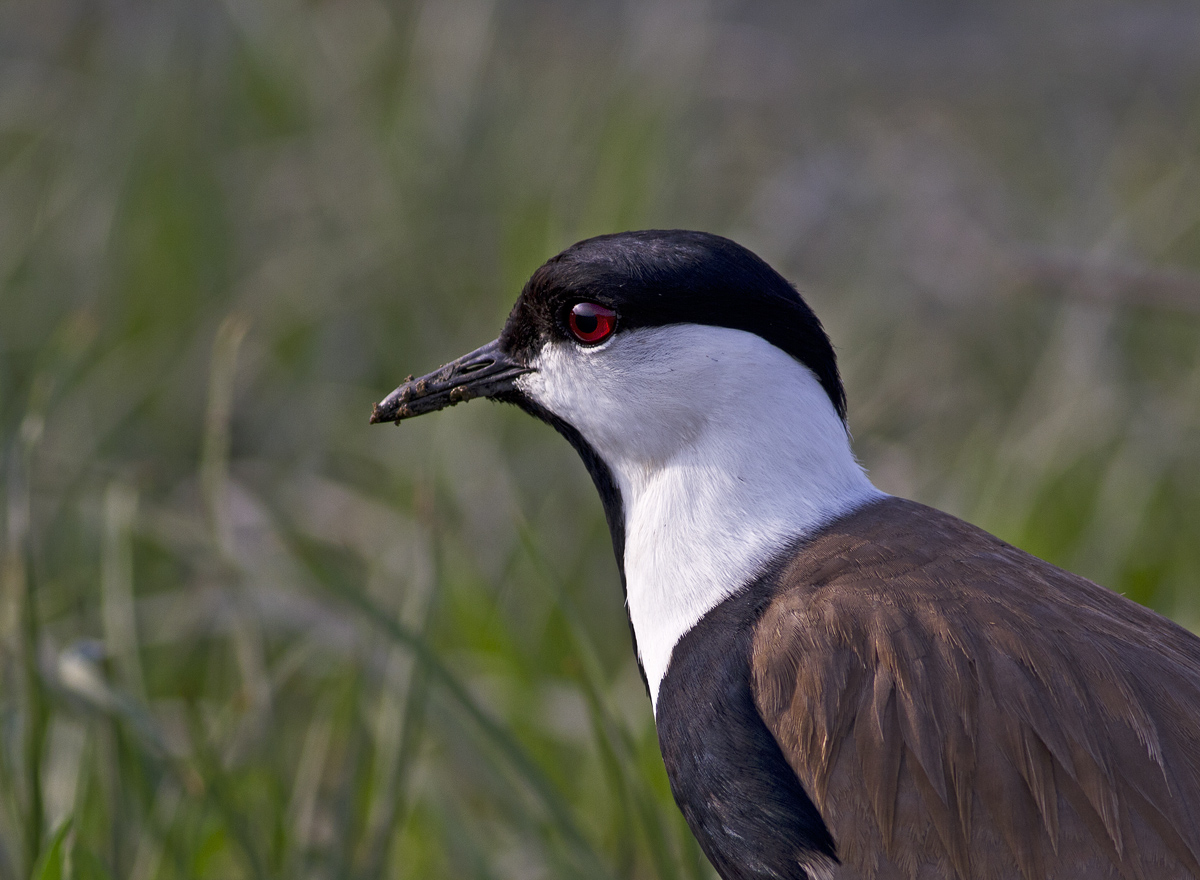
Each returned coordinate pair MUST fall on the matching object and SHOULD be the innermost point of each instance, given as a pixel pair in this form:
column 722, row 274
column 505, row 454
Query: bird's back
column 957, row 708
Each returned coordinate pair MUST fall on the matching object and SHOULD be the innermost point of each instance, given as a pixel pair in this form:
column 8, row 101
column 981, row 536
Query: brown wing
column 958, row 708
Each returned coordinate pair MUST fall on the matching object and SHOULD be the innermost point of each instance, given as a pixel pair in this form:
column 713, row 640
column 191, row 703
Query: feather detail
column 958, row 708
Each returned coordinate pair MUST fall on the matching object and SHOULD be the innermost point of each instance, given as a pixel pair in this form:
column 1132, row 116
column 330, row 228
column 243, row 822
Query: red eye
column 591, row 322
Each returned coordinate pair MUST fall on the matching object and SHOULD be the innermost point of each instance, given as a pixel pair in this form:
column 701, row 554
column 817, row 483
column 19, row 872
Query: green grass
column 245, row 634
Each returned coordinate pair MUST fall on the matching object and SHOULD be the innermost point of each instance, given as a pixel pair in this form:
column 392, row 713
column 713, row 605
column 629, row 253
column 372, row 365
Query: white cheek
column 629, row 398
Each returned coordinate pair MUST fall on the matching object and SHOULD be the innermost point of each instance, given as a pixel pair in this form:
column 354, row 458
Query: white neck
column 725, row 449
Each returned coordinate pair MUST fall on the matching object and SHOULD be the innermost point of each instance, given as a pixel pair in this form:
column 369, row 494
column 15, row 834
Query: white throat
column 725, row 449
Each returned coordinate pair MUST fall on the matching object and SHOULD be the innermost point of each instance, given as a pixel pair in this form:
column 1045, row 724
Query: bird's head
column 703, row 396
column 623, row 332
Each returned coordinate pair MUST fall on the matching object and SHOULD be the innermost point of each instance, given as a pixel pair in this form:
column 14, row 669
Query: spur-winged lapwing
column 846, row 684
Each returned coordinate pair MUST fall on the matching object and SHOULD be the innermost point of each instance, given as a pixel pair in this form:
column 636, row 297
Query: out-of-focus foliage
column 243, row 634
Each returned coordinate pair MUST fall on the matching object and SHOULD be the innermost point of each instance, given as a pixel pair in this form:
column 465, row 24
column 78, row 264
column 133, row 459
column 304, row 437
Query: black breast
column 746, row 807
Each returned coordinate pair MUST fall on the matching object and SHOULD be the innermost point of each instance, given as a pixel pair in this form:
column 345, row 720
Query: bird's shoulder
column 953, row 704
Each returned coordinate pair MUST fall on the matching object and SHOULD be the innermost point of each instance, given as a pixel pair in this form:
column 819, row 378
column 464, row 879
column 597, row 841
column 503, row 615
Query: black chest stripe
column 746, row 807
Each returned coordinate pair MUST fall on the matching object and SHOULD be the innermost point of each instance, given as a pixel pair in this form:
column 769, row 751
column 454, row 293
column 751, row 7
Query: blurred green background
column 244, row 634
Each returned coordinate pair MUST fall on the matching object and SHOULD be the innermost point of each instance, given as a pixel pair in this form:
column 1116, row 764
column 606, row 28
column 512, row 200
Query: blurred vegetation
column 243, row 634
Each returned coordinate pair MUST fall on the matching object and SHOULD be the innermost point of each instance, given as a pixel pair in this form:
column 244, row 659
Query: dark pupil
column 586, row 322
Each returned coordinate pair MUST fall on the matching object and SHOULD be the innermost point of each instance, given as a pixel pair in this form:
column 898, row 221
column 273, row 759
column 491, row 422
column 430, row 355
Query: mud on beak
column 485, row 372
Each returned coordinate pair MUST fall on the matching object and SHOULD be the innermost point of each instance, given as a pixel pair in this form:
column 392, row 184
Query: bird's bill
column 485, row 372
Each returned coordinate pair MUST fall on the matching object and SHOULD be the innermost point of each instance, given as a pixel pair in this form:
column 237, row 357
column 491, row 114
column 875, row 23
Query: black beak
column 485, row 372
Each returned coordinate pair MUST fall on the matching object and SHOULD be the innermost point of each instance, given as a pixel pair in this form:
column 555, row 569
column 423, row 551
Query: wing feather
column 958, row 708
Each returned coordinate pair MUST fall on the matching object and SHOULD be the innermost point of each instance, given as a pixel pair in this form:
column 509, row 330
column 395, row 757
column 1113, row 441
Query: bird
column 845, row 684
